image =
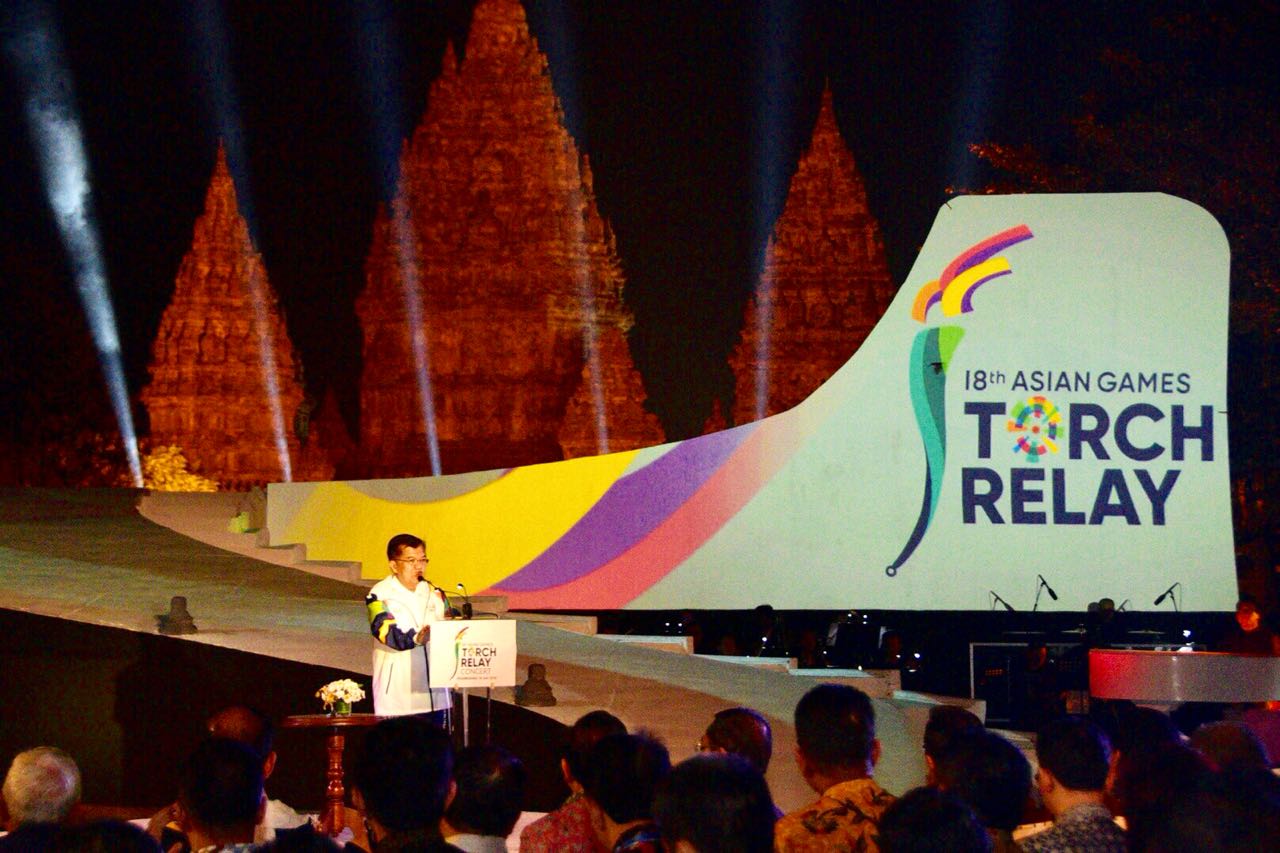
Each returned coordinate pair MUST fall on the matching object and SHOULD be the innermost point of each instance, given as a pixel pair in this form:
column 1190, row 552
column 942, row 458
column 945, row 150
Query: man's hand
column 424, row 634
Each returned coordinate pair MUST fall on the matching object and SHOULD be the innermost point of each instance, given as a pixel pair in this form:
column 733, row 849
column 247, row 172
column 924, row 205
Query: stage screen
column 1045, row 396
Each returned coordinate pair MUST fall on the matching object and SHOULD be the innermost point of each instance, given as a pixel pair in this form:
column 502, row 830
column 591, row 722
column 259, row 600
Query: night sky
column 693, row 116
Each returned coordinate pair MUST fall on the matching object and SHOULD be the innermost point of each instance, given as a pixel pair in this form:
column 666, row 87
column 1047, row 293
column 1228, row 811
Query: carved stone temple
column 494, row 255
column 208, row 392
column 825, row 282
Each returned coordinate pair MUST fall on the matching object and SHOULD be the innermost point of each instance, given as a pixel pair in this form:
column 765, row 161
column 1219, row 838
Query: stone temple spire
column 825, row 282
column 496, row 231
column 208, row 393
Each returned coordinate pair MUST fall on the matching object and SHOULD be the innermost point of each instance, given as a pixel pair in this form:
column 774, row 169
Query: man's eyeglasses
column 416, row 561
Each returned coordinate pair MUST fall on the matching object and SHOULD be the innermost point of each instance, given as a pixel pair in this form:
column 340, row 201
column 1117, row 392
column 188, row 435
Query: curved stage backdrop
column 1045, row 396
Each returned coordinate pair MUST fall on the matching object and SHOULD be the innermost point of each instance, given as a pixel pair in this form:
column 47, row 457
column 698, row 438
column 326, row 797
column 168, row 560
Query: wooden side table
column 332, row 817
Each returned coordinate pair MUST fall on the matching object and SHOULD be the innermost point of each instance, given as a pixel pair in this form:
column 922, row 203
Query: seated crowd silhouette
column 413, row 791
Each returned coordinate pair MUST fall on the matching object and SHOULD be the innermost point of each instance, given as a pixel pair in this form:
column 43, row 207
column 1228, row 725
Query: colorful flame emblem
column 1038, row 425
column 931, row 354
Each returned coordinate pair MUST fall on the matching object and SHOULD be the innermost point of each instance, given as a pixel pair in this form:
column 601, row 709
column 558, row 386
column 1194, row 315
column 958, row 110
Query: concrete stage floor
column 92, row 557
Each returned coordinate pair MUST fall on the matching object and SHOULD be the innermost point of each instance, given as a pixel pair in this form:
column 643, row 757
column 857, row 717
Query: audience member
column 403, row 782
column 1134, row 730
column 1228, row 812
column 622, row 776
column 490, row 794
column 944, row 722
column 255, row 730
column 40, row 789
column 740, row 731
column 105, row 836
column 1147, row 782
column 220, row 798
column 928, row 820
column 568, row 828
column 1074, row 757
column 716, row 803
column 993, row 777
column 1230, row 745
column 836, row 751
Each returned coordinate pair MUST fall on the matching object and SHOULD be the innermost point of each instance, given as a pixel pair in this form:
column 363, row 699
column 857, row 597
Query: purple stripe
column 628, row 511
column 966, row 301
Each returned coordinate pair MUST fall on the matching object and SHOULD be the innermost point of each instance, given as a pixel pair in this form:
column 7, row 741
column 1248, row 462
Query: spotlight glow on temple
column 377, row 50
column 215, row 67
column 417, row 322
column 53, row 119
column 590, row 338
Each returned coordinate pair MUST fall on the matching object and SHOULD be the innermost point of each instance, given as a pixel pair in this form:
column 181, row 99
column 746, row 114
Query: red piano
column 1172, row 677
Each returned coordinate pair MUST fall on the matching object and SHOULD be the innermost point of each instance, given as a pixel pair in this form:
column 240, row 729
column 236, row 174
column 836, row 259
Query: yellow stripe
column 477, row 538
column 953, row 296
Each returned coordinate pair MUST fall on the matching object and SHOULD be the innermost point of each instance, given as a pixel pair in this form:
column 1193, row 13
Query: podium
column 468, row 653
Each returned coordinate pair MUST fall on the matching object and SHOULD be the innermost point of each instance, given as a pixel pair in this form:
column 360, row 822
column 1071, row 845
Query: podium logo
column 471, row 658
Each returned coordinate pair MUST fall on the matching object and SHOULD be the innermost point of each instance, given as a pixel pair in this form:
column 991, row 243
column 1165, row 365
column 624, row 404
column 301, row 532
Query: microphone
column 1122, row 606
column 996, row 596
column 1044, row 583
column 466, row 605
column 1168, row 592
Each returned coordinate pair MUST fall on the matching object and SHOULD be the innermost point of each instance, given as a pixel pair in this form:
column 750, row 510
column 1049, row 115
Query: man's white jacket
column 400, row 680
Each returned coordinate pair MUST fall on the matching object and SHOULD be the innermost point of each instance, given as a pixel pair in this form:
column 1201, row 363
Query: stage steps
column 208, row 517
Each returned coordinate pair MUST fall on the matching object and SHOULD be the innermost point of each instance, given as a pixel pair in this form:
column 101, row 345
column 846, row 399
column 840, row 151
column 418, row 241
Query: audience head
column 220, row 790
column 927, row 819
column 585, row 734
column 1147, row 782
column 1230, row 745
column 741, row 731
column 988, row 773
column 623, row 774
column 42, row 786
column 250, row 727
column 404, row 773
column 490, row 791
column 1076, row 752
column 835, row 735
column 944, row 722
column 716, row 803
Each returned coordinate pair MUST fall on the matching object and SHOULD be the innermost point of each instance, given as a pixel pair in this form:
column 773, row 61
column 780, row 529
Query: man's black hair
column 944, row 722
column 925, row 820
column 589, row 730
column 744, row 732
column 835, row 727
column 490, row 794
column 623, row 773
column 402, row 540
column 717, row 803
column 988, row 773
column 403, row 773
column 220, row 785
column 1076, row 752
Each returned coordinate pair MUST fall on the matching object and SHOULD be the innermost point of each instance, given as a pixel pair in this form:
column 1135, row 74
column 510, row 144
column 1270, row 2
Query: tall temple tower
column 495, row 255
column 209, row 392
column 824, row 286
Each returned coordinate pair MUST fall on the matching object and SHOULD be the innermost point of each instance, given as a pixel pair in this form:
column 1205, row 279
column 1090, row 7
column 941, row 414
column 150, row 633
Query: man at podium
column 402, row 608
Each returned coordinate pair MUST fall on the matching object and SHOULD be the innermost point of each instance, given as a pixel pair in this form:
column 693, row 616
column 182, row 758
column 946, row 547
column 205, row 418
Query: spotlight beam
column 34, row 50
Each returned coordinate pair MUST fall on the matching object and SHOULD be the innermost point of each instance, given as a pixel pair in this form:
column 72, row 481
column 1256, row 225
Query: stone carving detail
column 495, row 234
column 825, row 282
column 208, row 394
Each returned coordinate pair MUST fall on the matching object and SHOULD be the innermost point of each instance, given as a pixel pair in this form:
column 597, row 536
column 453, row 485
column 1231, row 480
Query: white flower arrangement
column 342, row 690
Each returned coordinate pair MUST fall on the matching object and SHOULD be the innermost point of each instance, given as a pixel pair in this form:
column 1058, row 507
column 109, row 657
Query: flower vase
column 341, row 708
